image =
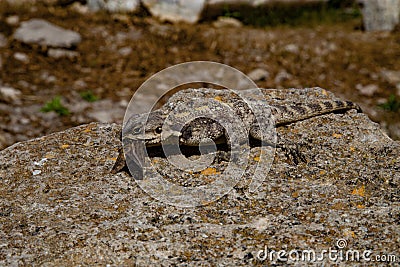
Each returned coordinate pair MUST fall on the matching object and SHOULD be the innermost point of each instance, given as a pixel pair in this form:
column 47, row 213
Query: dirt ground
column 339, row 57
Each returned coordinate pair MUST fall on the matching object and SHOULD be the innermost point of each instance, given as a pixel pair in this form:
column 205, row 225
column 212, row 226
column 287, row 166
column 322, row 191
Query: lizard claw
column 292, row 151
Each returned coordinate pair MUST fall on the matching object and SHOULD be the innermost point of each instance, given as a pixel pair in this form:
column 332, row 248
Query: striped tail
column 292, row 113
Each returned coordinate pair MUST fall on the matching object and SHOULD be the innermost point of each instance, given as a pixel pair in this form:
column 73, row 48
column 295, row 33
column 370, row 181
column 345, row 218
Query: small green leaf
column 392, row 104
column 89, row 96
column 56, row 106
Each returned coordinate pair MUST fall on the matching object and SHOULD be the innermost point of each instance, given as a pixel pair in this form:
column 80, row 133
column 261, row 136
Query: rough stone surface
column 175, row 11
column 42, row 32
column 380, row 15
column 61, row 206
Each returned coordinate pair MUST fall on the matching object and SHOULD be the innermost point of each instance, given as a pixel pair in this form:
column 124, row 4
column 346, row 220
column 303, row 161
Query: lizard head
column 145, row 127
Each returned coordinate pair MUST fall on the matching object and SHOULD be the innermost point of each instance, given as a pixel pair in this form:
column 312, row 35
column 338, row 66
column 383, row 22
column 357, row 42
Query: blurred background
column 64, row 63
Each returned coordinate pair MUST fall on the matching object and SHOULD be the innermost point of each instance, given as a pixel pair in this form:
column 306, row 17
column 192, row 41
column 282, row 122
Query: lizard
column 148, row 128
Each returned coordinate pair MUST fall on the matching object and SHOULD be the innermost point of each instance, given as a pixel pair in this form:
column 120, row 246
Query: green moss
column 88, row 96
column 392, row 104
column 56, row 106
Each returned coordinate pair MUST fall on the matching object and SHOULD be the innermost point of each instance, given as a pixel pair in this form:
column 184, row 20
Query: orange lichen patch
column 359, row 191
column 324, row 92
column 218, row 98
column 87, row 130
column 205, row 203
column 210, row 171
column 337, row 135
column 352, row 148
column 360, row 206
column 322, row 172
column 113, row 158
column 208, row 180
column 64, row 146
column 295, row 194
column 50, row 155
column 338, row 206
column 348, row 233
column 256, row 158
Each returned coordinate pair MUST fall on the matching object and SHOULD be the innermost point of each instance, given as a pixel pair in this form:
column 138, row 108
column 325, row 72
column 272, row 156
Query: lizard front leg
column 270, row 137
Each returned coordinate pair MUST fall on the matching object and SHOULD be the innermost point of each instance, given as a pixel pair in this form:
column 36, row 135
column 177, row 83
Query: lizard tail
column 292, row 113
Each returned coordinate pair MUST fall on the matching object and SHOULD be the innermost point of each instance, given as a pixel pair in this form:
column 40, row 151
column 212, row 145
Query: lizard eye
column 136, row 130
column 158, row 130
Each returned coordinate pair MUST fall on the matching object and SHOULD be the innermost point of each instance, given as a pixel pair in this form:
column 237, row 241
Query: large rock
column 114, row 5
column 380, row 15
column 61, row 206
column 42, row 32
column 175, row 10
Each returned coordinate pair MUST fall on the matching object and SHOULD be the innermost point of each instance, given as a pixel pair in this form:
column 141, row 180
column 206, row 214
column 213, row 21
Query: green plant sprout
column 56, row 106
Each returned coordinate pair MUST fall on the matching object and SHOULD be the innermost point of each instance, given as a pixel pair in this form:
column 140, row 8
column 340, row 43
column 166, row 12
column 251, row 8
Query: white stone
column 391, row 76
column 62, row 53
column 176, row 10
column 368, row 90
column 258, row 74
column 9, row 94
column 36, row 172
column 21, row 57
column 122, row 5
column 380, row 15
column 114, row 5
column 125, row 51
column 12, row 20
column 95, row 5
column 42, row 32
column 292, row 48
column 47, row 77
column 227, row 22
column 282, row 76
column 78, row 7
